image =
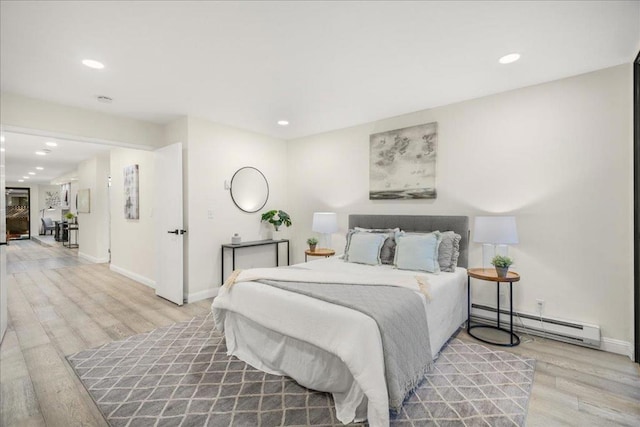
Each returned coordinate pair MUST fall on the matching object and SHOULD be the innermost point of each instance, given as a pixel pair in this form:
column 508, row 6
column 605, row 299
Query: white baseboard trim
column 134, row 276
column 92, row 258
column 197, row 296
column 612, row 345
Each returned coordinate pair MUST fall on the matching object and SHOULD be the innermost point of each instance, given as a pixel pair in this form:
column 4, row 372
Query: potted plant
column 501, row 263
column 312, row 242
column 70, row 216
column 276, row 218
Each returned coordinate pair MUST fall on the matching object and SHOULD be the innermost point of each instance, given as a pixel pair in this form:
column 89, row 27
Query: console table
column 60, row 231
column 69, row 230
column 275, row 243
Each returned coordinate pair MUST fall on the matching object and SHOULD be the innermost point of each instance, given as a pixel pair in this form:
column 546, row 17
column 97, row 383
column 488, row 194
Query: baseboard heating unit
column 561, row 330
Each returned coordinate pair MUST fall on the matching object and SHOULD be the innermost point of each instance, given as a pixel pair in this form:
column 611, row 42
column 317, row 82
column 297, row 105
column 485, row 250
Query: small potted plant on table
column 501, row 263
column 312, row 242
column 70, row 217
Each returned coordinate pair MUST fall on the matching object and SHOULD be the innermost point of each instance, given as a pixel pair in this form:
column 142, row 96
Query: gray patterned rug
column 180, row 375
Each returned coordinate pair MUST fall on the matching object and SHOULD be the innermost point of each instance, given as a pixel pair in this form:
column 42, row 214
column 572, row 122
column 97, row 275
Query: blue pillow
column 418, row 251
column 364, row 248
column 388, row 249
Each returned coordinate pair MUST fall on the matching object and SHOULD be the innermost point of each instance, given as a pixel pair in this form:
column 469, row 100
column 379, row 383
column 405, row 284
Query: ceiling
column 319, row 65
column 21, row 158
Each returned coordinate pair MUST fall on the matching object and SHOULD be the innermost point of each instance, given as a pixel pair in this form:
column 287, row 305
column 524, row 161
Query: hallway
column 58, row 305
column 27, row 255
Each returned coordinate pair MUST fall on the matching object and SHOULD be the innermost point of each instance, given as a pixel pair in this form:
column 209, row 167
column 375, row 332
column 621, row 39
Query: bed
column 327, row 346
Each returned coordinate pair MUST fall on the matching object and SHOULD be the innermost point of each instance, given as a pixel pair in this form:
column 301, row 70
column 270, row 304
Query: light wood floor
column 59, row 305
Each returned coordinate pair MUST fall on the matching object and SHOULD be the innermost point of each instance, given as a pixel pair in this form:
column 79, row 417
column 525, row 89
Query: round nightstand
column 490, row 275
column 319, row 252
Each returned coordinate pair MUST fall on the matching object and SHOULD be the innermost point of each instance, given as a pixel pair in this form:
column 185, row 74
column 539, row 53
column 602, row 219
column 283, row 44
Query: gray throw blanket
column 400, row 316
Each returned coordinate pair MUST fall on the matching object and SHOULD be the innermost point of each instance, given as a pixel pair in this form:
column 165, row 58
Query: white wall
column 133, row 241
column 19, row 112
column 93, row 236
column 558, row 156
column 73, row 194
column 215, row 152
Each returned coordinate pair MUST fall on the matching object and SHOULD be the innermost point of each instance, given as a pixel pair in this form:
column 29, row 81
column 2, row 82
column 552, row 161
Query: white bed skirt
column 311, row 366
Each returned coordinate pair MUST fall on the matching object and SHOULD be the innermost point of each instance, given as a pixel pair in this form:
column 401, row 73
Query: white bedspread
column 331, row 329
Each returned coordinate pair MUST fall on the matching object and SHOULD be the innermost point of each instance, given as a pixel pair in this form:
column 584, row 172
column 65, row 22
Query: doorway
column 18, row 203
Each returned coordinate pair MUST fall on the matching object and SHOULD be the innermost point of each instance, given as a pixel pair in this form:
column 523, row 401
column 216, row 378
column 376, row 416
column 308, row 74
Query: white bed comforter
column 348, row 334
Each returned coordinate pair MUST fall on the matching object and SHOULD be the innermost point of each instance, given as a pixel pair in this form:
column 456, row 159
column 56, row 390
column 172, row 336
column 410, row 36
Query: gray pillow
column 388, row 250
column 449, row 251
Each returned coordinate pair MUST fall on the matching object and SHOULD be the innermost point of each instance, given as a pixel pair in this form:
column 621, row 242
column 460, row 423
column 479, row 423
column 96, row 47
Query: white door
column 169, row 225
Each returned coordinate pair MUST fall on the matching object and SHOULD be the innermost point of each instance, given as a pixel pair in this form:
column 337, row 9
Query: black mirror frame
column 266, row 199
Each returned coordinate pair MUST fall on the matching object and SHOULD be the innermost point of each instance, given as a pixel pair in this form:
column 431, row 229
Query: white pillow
column 418, row 251
column 364, row 248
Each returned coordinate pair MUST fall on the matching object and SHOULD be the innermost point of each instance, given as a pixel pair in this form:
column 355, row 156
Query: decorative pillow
column 449, row 251
column 418, row 251
column 364, row 248
column 388, row 250
column 350, row 233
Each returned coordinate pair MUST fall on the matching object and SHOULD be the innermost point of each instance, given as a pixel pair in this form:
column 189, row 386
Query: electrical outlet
column 540, row 303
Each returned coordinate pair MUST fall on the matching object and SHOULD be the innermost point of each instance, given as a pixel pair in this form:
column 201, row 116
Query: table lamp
column 325, row 223
column 495, row 233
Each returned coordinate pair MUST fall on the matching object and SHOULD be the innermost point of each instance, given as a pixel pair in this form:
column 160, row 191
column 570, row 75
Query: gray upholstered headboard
column 422, row 223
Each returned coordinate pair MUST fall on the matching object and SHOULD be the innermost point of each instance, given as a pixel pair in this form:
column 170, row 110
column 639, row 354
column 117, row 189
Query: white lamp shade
column 325, row 222
column 496, row 230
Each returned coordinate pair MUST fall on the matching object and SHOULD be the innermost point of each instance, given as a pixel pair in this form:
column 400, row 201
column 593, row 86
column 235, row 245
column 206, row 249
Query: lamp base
column 489, row 251
column 325, row 241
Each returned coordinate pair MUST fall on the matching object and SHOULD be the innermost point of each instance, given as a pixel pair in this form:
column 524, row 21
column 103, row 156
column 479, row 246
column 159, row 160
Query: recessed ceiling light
column 92, row 63
column 1, row 149
column 51, row 144
column 41, row 153
column 283, row 122
column 508, row 59
column 21, row 180
column 2, row 138
column 32, row 173
column 25, row 177
column 39, row 168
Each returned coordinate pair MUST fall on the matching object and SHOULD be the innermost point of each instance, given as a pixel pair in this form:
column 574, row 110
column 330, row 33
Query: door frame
column 636, row 205
column 28, row 208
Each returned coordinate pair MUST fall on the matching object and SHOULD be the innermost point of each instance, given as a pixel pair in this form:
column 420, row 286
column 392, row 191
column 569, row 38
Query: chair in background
column 47, row 225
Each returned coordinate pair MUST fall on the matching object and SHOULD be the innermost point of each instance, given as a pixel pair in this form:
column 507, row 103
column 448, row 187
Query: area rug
column 180, row 375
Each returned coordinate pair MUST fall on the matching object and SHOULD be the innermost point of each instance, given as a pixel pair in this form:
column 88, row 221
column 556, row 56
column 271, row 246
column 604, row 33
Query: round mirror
column 249, row 189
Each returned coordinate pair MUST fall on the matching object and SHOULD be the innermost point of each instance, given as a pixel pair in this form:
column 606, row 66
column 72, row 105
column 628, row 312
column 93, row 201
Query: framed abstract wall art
column 65, row 194
column 402, row 163
column 131, row 188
